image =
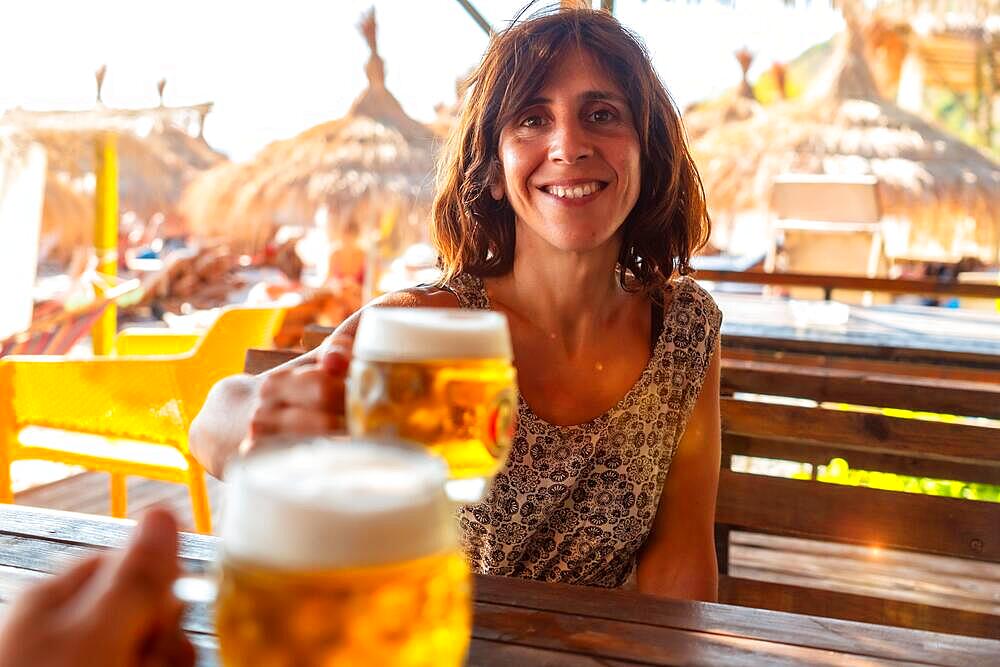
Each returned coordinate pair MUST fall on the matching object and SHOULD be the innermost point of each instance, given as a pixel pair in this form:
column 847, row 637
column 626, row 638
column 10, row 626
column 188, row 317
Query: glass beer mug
column 339, row 552
column 441, row 377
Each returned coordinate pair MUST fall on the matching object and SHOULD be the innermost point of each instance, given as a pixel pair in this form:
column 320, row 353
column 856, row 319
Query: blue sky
column 275, row 68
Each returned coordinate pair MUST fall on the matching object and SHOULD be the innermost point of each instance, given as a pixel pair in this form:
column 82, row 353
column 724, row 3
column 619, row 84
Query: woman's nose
column 568, row 143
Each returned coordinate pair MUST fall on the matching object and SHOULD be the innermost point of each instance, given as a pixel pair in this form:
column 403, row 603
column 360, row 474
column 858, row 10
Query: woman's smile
column 574, row 192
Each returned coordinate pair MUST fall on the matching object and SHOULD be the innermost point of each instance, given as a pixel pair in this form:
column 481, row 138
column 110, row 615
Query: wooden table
column 947, row 330
column 532, row 623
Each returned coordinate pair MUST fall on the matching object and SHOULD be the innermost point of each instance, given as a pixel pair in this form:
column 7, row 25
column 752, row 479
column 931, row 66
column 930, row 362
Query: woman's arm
column 304, row 396
column 224, row 421
column 678, row 559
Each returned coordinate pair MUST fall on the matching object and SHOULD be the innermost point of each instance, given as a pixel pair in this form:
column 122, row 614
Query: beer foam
column 333, row 502
column 422, row 334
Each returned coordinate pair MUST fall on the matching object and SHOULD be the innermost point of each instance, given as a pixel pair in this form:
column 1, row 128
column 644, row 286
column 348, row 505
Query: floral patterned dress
column 575, row 504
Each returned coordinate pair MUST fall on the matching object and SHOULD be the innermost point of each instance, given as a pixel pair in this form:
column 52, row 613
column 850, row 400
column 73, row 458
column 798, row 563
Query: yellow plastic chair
column 126, row 415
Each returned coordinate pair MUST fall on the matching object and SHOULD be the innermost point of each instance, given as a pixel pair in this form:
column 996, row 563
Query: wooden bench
column 873, row 441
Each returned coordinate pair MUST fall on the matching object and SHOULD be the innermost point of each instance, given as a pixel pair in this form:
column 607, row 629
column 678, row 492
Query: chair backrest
column 826, row 199
column 222, row 350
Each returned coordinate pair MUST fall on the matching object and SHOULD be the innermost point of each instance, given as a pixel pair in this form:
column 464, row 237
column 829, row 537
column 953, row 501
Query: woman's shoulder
column 422, row 296
column 691, row 296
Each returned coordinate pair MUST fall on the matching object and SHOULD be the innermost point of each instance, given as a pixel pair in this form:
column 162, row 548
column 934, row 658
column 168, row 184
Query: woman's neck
column 568, row 296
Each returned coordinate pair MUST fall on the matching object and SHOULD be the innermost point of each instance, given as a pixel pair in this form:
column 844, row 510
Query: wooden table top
column 891, row 326
column 533, row 623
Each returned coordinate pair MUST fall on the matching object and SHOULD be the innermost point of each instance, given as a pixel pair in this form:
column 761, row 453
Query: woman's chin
column 579, row 245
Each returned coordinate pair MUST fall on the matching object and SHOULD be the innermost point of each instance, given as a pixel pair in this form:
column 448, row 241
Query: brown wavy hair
column 474, row 234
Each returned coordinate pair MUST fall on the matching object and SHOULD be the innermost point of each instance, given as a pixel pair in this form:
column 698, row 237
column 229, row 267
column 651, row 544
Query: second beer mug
column 440, row 377
column 341, row 553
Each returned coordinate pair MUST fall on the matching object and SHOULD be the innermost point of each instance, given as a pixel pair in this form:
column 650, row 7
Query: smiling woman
column 575, row 76
column 567, row 201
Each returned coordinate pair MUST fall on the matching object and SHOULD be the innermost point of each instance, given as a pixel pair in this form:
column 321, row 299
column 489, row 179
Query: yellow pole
column 106, row 236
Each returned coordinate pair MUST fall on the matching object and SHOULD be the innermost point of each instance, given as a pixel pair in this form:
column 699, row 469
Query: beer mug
column 441, row 377
column 339, row 553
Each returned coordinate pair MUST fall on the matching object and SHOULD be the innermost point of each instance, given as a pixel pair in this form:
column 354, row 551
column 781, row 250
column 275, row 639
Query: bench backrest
column 882, row 437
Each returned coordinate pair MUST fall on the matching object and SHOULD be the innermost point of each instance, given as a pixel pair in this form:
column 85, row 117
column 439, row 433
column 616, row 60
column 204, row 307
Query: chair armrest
column 137, row 341
column 132, row 398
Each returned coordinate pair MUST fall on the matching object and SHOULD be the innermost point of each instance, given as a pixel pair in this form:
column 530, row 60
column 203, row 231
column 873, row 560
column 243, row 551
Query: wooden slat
column 257, row 361
column 616, row 640
column 882, row 641
column 488, row 653
column 929, row 579
column 71, row 528
column 853, row 283
column 861, row 608
column 817, row 453
column 861, row 430
column 972, row 399
column 929, row 524
column 314, row 335
column 764, row 354
column 870, row 353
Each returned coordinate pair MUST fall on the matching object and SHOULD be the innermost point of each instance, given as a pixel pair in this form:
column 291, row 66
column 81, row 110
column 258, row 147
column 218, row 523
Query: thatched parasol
column 156, row 160
column 374, row 158
column 734, row 105
column 941, row 197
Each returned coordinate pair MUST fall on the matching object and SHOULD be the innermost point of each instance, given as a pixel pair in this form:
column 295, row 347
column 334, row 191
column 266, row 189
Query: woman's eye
column 602, row 115
column 532, row 121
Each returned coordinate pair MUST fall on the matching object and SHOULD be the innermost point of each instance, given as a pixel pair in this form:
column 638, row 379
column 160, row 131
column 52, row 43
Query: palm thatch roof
column 370, row 158
column 954, row 12
column 156, row 159
column 734, row 105
column 941, row 197
column 953, row 42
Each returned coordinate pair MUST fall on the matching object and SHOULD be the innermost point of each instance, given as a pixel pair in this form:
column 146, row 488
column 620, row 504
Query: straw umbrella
column 374, row 162
column 940, row 196
column 735, row 105
column 156, row 160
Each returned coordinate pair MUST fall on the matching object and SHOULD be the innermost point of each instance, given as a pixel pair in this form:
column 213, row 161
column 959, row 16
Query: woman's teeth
column 574, row 192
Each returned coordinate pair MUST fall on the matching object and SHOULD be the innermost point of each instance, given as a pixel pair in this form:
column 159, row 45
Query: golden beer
column 341, row 553
column 406, row 614
column 439, row 377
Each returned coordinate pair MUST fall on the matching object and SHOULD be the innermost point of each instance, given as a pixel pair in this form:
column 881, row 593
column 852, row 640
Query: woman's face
column 570, row 158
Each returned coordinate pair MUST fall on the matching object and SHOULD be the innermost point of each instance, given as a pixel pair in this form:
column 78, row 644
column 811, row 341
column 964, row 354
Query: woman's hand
column 115, row 609
column 303, row 400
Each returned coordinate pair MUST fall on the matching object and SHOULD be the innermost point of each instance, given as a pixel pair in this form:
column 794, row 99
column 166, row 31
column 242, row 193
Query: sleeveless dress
column 574, row 504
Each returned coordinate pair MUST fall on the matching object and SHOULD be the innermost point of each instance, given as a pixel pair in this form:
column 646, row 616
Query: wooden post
column 476, row 16
column 722, row 530
column 106, row 236
column 990, row 89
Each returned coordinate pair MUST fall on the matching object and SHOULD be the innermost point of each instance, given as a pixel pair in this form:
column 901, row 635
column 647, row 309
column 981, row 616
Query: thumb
column 336, row 354
column 138, row 582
